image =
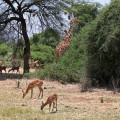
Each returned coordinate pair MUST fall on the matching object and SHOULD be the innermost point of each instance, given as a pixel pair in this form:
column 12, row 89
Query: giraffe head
column 75, row 20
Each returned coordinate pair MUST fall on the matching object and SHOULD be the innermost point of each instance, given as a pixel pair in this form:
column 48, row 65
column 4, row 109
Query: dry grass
column 72, row 104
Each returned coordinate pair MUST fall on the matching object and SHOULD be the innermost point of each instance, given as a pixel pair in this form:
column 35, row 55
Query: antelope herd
column 17, row 63
column 52, row 99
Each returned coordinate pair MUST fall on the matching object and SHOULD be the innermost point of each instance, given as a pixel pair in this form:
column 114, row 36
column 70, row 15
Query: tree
column 21, row 16
column 43, row 53
column 103, row 45
column 85, row 12
column 48, row 37
column 18, row 48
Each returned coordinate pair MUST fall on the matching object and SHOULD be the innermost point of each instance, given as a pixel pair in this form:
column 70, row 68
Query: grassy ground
column 72, row 104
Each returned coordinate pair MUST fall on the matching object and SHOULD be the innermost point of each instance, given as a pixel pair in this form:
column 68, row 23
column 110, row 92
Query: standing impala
column 51, row 99
column 33, row 84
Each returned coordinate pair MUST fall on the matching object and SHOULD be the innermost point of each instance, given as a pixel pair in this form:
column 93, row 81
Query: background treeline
column 94, row 52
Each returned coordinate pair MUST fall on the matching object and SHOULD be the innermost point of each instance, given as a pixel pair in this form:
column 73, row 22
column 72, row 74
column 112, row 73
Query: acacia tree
column 25, row 15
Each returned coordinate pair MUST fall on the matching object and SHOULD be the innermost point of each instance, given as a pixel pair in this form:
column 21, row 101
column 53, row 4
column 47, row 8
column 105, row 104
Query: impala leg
column 39, row 93
column 41, row 90
column 19, row 71
column 31, row 92
column 49, row 107
column 56, row 104
column 53, row 106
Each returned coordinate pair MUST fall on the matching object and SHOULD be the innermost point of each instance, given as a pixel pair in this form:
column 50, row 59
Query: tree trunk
column 26, row 54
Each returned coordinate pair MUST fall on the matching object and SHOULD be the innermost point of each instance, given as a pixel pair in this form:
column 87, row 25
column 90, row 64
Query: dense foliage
column 103, row 39
column 85, row 12
column 43, row 45
column 18, row 48
column 43, row 53
column 3, row 49
column 48, row 37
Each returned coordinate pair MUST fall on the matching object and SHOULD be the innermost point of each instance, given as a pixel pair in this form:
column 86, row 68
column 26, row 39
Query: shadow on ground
column 5, row 76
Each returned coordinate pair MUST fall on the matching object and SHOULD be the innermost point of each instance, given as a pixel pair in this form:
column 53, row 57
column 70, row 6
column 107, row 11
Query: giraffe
column 64, row 44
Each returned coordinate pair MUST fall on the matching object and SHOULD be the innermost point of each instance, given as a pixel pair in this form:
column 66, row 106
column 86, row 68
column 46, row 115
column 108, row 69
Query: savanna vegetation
column 93, row 53
column 91, row 60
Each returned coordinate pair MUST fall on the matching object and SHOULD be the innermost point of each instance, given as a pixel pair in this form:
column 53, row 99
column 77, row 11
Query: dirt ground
column 100, row 104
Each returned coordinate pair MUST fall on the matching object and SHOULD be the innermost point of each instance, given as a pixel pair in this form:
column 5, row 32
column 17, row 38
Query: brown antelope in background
column 40, row 65
column 33, row 64
column 1, row 63
column 14, row 68
column 33, row 84
column 51, row 99
column 2, row 68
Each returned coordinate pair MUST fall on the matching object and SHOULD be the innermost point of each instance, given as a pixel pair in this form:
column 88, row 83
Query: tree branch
column 9, row 20
column 11, row 5
column 5, row 12
column 27, row 6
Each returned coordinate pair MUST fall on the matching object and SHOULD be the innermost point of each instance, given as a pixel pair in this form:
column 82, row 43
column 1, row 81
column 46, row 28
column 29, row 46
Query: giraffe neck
column 68, row 35
column 71, row 28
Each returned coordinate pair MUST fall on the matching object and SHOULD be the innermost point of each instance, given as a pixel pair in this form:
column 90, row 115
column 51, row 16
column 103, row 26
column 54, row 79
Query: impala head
column 42, row 106
column 23, row 94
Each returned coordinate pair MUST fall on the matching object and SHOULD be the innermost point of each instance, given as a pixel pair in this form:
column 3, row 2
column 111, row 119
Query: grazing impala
column 33, row 84
column 51, row 99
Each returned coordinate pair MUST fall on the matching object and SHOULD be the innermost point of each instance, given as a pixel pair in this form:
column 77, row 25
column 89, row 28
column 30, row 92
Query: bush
column 3, row 49
column 103, row 40
column 43, row 53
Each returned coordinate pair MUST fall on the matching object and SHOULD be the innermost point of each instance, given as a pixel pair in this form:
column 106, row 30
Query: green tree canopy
column 48, row 37
column 43, row 53
column 103, row 39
